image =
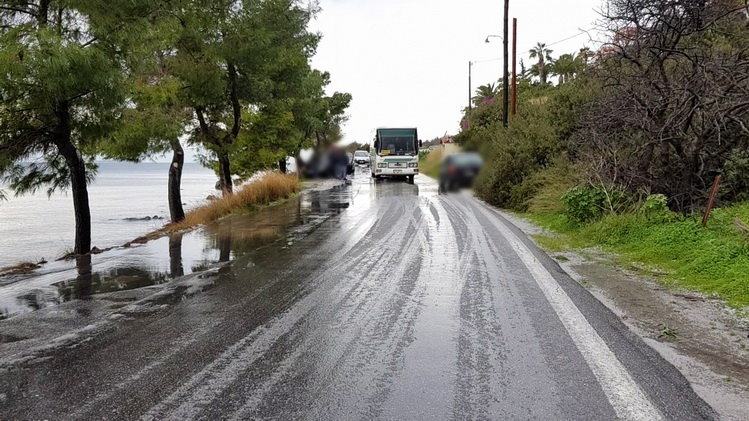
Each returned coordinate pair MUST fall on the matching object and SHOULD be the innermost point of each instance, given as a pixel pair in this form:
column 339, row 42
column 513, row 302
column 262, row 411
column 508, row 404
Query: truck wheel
column 410, row 179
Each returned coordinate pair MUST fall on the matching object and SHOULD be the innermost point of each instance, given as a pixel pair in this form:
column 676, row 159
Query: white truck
column 395, row 154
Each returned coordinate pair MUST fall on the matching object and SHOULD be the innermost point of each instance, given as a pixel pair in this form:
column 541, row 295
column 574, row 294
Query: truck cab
column 395, row 154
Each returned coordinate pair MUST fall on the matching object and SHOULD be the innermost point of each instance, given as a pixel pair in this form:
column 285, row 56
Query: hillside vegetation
column 618, row 148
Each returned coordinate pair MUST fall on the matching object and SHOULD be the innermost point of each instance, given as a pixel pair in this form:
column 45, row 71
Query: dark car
column 321, row 165
column 459, row 171
column 351, row 166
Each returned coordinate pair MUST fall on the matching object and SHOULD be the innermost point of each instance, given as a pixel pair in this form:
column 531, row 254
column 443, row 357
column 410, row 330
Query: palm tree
column 566, row 66
column 543, row 53
column 485, row 93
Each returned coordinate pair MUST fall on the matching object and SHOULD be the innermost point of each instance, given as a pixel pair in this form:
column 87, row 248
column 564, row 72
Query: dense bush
column 511, row 155
column 673, row 106
column 535, row 140
column 655, row 208
column 584, row 204
column 542, row 191
column 736, row 170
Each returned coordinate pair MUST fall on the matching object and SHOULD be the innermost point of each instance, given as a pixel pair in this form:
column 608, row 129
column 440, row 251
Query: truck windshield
column 397, row 146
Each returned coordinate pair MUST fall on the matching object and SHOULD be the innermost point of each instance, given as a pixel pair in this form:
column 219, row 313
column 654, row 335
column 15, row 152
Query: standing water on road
column 166, row 258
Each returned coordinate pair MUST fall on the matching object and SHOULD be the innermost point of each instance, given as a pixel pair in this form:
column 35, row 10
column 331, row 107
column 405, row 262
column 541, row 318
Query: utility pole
column 470, row 86
column 505, row 79
column 514, row 66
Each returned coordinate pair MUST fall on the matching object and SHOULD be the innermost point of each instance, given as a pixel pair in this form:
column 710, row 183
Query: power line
column 486, row 60
column 582, row 32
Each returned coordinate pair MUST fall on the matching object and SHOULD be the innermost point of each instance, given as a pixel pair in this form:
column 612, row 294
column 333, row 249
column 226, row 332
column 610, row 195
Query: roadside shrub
column 517, row 157
column 584, row 203
column 736, row 173
column 655, row 208
column 542, row 191
column 511, row 155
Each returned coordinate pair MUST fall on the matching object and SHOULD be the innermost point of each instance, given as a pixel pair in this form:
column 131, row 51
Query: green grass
column 712, row 260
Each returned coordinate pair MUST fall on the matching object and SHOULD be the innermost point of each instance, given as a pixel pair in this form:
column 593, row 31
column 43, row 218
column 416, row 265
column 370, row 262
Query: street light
column 488, row 38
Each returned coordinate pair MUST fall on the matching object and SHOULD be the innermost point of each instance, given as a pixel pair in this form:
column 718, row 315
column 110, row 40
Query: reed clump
column 268, row 188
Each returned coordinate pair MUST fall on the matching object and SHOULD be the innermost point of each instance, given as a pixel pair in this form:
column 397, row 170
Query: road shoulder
column 702, row 337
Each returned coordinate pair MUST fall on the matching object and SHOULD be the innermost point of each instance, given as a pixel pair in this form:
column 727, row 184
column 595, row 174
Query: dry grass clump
column 21, row 268
column 267, row 189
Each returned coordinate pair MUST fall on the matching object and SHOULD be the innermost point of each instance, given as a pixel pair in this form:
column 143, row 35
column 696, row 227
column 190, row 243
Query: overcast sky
column 406, row 61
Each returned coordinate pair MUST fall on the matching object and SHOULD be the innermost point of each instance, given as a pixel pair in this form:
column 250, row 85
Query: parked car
column 351, row 166
column 459, row 171
column 361, row 158
column 321, row 165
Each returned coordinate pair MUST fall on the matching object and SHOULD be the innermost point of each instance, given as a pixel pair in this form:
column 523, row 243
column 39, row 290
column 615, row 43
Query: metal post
column 514, row 66
column 506, row 77
column 711, row 200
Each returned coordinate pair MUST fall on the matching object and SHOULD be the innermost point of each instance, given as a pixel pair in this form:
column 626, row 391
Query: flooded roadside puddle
column 167, row 258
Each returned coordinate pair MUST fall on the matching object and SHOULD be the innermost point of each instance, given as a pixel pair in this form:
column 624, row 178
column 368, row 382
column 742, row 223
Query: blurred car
column 318, row 166
column 351, row 166
column 459, row 171
column 361, row 158
column 321, row 165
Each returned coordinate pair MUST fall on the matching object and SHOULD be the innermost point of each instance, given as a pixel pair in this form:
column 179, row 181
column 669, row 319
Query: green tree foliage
column 152, row 126
column 566, row 67
column 126, row 79
column 353, row 147
column 64, row 84
column 543, row 54
column 331, row 115
column 284, row 127
column 661, row 109
column 485, row 94
column 537, row 137
column 235, row 60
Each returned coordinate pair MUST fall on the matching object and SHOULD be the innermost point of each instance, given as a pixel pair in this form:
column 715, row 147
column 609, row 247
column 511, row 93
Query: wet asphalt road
column 404, row 304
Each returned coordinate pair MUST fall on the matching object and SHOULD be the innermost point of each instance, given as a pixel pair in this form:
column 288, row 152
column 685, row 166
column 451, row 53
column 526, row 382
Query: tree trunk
column 83, row 287
column 175, row 256
column 282, row 165
column 176, row 211
column 224, row 170
column 43, row 13
column 77, row 168
column 542, row 70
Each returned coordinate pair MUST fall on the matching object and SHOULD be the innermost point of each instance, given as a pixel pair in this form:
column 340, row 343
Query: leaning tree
column 64, row 84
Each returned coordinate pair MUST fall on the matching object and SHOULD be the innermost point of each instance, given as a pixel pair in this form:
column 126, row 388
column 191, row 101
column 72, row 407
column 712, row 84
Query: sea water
column 35, row 227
